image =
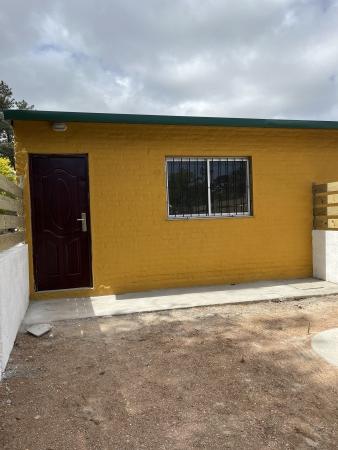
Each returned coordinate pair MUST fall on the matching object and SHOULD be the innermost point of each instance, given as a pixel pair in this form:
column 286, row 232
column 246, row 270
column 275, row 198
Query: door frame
column 83, row 156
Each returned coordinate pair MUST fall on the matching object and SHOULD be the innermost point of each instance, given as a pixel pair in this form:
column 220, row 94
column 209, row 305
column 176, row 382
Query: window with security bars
column 208, row 187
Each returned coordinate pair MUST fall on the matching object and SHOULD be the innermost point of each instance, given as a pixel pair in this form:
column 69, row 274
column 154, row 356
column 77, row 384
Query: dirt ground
column 238, row 377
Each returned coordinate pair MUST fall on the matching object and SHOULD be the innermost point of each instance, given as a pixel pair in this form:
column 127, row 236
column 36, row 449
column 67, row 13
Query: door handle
column 83, row 221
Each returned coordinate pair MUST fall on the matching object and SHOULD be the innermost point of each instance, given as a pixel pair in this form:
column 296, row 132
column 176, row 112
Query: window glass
column 208, row 186
column 187, row 187
column 228, row 186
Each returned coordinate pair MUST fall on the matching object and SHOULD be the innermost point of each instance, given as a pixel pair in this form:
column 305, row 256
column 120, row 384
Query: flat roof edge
column 64, row 116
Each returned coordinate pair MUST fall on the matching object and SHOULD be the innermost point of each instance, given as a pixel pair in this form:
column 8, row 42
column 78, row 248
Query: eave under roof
column 64, row 116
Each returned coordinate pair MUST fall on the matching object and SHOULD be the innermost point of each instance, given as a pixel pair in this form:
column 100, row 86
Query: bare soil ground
column 238, row 377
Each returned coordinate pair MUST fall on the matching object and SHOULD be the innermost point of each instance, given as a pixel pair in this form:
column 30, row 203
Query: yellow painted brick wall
column 135, row 247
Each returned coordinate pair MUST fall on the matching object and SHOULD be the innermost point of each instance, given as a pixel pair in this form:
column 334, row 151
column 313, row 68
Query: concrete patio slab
column 76, row 308
column 325, row 344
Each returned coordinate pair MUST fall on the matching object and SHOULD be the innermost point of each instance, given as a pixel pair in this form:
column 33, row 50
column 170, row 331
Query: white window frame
column 210, row 214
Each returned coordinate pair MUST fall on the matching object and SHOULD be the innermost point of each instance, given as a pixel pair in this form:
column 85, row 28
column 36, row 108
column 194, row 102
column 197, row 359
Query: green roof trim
column 61, row 116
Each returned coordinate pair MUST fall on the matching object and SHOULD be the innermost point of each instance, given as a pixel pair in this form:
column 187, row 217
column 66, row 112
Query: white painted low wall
column 14, row 297
column 325, row 255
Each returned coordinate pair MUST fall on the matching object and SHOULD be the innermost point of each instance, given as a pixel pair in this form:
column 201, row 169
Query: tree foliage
column 7, row 101
column 6, row 168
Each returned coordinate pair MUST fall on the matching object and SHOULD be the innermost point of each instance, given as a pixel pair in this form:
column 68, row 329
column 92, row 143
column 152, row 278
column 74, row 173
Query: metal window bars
column 208, row 187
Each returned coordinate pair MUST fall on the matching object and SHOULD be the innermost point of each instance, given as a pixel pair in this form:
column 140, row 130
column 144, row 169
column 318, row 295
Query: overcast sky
column 241, row 58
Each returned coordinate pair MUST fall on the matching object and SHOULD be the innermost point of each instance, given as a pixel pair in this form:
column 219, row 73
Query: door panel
column 59, row 196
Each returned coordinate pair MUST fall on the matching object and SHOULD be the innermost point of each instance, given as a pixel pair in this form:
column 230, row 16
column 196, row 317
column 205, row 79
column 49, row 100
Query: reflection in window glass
column 208, row 187
column 228, row 186
column 187, row 187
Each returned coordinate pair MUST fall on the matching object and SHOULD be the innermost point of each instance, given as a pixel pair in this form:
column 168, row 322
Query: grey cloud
column 267, row 58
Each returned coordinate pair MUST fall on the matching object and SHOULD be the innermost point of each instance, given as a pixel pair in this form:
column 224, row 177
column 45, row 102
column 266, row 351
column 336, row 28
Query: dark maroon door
column 60, row 221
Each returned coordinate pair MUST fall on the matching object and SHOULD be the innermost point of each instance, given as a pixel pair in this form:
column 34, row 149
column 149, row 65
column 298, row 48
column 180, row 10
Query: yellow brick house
column 118, row 203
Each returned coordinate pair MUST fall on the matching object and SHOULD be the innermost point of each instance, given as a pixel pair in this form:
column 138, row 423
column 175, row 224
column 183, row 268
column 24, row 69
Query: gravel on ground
column 235, row 376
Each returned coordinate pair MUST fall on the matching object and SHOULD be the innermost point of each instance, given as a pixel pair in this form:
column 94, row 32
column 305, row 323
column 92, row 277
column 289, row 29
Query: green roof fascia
column 63, row 116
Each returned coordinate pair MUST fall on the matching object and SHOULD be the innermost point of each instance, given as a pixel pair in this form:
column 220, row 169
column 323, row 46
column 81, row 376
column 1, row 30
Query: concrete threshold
column 43, row 311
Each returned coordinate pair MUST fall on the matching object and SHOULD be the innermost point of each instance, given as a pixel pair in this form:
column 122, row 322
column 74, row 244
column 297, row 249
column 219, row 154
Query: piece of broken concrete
column 39, row 329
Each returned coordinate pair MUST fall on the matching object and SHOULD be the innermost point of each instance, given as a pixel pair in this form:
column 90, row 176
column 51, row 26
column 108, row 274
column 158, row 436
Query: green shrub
column 6, row 168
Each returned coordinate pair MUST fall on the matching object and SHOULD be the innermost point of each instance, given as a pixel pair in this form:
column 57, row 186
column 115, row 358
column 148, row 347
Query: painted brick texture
column 135, row 247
